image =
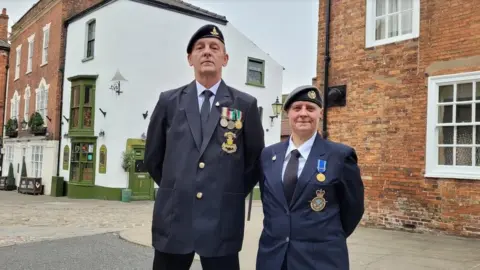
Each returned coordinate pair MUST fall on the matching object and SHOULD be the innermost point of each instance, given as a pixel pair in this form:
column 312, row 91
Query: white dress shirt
column 304, row 150
column 201, row 88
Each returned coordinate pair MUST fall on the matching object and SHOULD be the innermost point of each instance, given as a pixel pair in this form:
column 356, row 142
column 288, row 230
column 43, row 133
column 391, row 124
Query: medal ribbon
column 224, row 112
column 321, row 165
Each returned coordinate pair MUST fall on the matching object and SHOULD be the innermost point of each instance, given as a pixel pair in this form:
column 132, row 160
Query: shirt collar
column 304, row 149
column 201, row 88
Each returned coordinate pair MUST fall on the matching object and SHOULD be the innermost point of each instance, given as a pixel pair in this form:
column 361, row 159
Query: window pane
column 90, row 48
column 86, row 99
column 407, row 4
column 380, row 29
column 477, row 112
column 445, row 135
column 381, row 7
column 393, row 25
column 87, row 117
column 87, row 172
column 445, row 114
column 91, row 31
column 445, row 93
column 74, row 117
column 478, row 91
column 464, row 113
column 464, row 156
column 75, row 171
column 477, row 157
column 76, row 96
column 477, row 131
column 407, row 22
column 445, row 155
column 254, row 77
column 464, row 92
column 393, row 6
column 464, row 135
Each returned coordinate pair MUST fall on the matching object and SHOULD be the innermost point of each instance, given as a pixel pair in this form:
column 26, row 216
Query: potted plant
column 10, row 178
column 36, row 124
column 11, row 128
column 128, row 160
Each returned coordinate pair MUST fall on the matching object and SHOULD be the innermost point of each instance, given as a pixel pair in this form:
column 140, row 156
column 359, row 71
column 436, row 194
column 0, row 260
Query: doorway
column 139, row 181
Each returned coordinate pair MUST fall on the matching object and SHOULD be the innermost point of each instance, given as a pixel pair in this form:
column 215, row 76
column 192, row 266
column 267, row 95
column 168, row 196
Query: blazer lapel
column 277, row 168
column 224, row 100
column 193, row 112
column 310, row 168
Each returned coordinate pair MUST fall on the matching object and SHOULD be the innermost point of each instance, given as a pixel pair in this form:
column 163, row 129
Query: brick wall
column 385, row 116
column 42, row 13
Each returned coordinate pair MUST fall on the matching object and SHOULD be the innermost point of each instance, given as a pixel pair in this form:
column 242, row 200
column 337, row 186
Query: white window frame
column 15, row 107
column 31, row 46
column 26, row 106
column 432, row 169
column 370, row 25
column 36, row 161
column 9, row 154
column 41, row 99
column 46, row 41
column 18, row 60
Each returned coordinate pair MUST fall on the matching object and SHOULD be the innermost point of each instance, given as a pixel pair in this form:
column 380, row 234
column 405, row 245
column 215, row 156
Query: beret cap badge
column 214, row 31
column 312, row 95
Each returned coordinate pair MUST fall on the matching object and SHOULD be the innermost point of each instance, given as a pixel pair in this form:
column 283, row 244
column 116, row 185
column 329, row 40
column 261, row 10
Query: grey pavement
column 30, row 219
column 96, row 252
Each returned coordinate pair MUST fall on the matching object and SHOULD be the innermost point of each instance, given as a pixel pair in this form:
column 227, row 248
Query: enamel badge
column 229, row 145
column 318, row 203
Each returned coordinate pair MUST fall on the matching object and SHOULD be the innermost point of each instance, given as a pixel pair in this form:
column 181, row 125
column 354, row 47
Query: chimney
column 4, row 25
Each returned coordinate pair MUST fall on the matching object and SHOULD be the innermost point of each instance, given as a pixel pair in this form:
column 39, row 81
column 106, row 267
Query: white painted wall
column 49, row 159
column 148, row 46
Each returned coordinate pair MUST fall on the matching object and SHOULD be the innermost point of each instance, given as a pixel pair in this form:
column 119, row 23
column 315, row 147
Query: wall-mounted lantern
column 277, row 110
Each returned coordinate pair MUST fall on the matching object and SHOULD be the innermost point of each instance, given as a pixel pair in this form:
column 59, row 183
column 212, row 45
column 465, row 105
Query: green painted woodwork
column 78, row 191
column 258, row 61
column 57, row 186
column 66, row 157
column 83, row 160
column 82, row 104
column 139, row 181
column 102, row 166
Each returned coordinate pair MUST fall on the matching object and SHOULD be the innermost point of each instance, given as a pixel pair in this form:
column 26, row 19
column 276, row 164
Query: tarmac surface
column 96, row 252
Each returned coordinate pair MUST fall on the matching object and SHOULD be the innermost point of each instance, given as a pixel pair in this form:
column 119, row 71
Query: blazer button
column 199, row 195
column 201, row 165
column 288, row 239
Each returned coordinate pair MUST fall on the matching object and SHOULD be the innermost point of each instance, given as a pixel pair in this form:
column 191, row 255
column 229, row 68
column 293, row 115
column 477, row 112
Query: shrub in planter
column 10, row 178
column 128, row 159
column 11, row 127
column 36, row 124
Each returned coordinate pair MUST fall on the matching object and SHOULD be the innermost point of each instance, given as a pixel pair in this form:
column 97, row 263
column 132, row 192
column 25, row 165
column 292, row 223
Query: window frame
column 18, row 59
column 370, row 25
column 31, row 51
column 36, row 165
column 82, row 81
column 80, row 140
column 259, row 61
column 432, row 169
column 45, row 44
column 41, row 104
column 86, row 56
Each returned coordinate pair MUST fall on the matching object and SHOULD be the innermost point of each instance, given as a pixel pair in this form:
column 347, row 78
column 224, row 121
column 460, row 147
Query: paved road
column 96, row 252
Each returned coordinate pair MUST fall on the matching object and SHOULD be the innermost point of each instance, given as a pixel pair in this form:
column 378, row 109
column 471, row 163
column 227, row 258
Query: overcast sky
column 285, row 29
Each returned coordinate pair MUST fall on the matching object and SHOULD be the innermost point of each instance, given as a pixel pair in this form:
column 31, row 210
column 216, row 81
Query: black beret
column 303, row 93
column 206, row 31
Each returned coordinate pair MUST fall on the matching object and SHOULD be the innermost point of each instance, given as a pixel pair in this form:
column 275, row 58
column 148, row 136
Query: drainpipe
column 4, row 105
column 325, row 68
column 60, row 116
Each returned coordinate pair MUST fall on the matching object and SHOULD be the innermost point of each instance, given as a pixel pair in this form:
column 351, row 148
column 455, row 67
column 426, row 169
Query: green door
column 140, row 181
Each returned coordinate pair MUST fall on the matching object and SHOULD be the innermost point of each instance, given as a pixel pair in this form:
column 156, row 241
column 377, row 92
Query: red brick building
column 412, row 73
column 33, row 99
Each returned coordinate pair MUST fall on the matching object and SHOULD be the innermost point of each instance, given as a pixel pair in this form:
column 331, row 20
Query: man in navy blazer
column 312, row 194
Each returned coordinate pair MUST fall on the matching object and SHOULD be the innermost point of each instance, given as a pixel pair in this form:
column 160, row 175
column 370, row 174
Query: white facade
column 147, row 46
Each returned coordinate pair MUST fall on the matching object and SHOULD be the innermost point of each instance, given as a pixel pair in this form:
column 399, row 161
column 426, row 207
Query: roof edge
column 153, row 3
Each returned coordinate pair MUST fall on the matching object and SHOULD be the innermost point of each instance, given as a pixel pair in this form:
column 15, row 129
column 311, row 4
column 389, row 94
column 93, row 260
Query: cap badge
column 312, row 94
column 214, row 32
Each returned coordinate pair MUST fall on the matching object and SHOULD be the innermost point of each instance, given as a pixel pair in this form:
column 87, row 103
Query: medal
column 238, row 124
column 223, row 121
column 231, row 123
column 321, row 168
column 229, row 146
column 318, row 203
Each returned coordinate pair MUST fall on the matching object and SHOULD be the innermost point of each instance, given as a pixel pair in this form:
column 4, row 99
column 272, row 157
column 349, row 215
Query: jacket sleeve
column 156, row 138
column 351, row 193
column 254, row 144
